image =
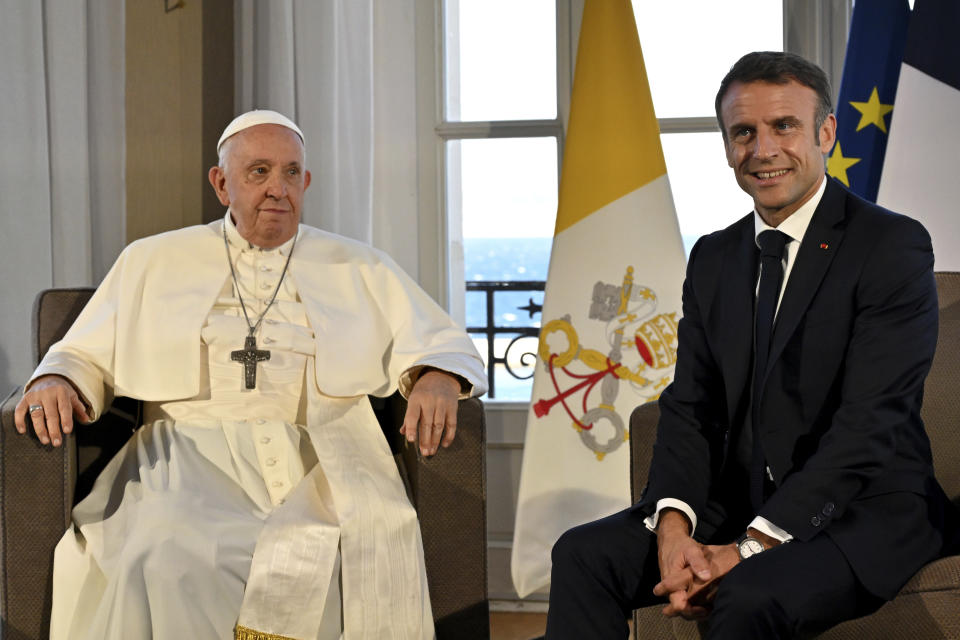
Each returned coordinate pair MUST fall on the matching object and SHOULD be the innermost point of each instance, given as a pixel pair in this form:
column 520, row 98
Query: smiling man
column 776, row 135
column 259, row 499
column 791, row 485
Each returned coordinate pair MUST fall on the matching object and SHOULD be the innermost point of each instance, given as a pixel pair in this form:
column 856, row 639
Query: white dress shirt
column 795, row 226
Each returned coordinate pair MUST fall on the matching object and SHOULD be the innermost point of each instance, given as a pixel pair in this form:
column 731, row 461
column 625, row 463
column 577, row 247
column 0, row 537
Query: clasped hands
column 690, row 572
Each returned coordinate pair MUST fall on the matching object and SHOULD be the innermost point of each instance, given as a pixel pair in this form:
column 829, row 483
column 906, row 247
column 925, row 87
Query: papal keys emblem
column 641, row 348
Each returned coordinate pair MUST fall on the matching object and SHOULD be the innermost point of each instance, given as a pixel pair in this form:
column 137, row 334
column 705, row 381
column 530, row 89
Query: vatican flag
column 609, row 335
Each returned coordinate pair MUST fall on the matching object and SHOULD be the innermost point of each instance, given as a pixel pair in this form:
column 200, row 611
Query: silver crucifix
column 250, row 356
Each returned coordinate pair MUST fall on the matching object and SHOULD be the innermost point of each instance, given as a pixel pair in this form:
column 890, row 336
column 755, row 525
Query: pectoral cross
column 250, row 356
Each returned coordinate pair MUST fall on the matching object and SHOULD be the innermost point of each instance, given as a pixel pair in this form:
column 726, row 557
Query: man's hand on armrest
column 52, row 403
column 432, row 410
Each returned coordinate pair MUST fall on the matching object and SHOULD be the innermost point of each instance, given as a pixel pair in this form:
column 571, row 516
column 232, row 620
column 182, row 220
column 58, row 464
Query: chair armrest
column 448, row 491
column 36, row 496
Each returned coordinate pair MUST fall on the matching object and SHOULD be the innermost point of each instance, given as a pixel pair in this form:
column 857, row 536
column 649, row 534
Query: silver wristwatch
column 748, row 546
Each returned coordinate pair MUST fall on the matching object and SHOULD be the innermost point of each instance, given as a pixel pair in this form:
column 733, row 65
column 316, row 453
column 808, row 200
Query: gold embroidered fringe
column 243, row 633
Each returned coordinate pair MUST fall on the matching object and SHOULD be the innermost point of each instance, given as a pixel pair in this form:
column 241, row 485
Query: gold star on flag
column 872, row 111
column 837, row 165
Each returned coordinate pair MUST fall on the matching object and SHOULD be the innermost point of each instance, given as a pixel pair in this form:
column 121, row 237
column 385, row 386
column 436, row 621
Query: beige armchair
column 928, row 606
column 39, row 486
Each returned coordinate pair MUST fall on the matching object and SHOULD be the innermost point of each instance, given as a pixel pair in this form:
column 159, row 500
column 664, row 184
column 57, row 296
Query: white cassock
column 249, row 513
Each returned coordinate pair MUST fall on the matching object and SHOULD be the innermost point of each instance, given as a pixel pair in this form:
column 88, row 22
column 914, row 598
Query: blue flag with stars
column 878, row 35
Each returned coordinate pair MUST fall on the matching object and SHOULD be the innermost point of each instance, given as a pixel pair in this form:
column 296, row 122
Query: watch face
column 750, row 547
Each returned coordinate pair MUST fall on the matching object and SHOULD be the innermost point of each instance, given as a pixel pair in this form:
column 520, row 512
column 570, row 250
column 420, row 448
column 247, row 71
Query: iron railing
column 491, row 329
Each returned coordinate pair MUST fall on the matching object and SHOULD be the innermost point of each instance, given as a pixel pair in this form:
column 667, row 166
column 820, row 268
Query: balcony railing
column 491, row 330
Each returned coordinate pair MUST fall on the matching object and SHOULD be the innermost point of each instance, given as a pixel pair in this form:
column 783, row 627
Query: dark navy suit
column 839, row 420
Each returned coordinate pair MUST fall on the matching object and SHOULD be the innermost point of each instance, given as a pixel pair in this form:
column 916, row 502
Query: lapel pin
column 824, row 245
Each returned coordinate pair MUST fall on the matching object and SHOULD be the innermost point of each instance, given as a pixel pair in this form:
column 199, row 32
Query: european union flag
column 878, row 34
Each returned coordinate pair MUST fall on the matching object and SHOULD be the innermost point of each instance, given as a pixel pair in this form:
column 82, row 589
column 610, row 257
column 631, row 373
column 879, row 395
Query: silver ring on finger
column 35, row 407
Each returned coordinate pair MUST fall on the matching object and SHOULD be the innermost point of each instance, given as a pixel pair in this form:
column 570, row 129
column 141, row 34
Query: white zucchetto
column 255, row 117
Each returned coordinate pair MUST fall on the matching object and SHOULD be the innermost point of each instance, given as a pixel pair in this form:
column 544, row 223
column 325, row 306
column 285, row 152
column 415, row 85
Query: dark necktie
column 772, row 243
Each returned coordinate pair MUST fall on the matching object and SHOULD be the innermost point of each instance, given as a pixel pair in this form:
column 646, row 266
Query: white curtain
column 61, row 157
column 344, row 70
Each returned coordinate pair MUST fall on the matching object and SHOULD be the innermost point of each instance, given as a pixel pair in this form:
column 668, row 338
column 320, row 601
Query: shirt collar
column 797, row 222
column 241, row 243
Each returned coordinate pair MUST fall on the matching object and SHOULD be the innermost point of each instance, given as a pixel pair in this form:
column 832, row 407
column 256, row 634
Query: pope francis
column 259, row 500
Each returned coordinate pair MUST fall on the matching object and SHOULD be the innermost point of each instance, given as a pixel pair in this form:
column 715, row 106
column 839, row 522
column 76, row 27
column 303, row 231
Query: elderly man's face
column 262, row 181
column 774, row 146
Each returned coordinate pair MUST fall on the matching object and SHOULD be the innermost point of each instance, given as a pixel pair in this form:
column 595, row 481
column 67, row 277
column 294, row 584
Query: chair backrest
column 941, row 399
column 643, row 434
column 941, row 402
column 54, row 310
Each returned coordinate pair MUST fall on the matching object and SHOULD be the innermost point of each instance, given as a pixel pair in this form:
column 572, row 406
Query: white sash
column 383, row 575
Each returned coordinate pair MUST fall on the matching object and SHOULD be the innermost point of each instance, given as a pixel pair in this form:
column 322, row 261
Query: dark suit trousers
column 605, row 569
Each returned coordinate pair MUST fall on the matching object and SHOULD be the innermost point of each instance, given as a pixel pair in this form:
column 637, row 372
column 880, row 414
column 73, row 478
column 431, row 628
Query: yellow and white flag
column 608, row 340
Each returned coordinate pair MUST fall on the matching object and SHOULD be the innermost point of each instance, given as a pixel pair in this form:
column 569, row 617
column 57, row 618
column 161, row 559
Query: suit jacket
column 839, row 413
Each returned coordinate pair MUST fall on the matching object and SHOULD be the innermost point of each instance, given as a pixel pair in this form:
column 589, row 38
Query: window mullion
column 499, row 129
column 688, row 125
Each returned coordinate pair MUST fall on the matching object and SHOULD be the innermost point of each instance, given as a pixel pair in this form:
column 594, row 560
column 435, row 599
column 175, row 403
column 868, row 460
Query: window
column 502, row 138
column 504, row 82
column 685, row 67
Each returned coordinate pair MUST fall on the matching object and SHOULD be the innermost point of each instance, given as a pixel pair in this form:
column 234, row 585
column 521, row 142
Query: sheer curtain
column 62, row 157
column 345, row 71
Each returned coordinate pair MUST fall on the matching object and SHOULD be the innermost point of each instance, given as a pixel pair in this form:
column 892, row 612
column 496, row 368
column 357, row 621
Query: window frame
column 441, row 271
column 815, row 30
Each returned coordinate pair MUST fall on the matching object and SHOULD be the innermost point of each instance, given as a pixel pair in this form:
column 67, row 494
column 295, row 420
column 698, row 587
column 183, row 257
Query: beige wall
column 179, row 96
